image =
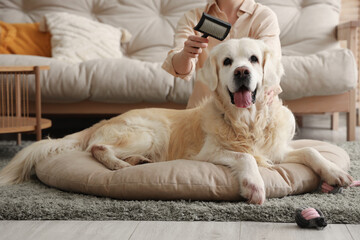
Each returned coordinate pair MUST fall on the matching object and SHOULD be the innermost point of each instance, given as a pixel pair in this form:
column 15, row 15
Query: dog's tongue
column 242, row 99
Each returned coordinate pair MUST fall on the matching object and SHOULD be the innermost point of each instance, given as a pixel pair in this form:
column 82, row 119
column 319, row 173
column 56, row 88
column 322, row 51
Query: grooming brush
column 213, row 27
column 310, row 218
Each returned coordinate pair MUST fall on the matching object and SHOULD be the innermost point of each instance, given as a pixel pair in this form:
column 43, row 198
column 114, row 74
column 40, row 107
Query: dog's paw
column 136, row 160
column 105, row 156
column 116, row 164
column 253, row 189
column 336, row 176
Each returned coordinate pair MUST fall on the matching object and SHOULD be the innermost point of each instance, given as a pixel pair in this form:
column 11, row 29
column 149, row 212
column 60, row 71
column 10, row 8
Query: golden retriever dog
column 238, row 127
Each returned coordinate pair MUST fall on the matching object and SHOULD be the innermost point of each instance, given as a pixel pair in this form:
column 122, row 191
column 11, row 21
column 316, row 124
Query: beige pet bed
column 179, row 179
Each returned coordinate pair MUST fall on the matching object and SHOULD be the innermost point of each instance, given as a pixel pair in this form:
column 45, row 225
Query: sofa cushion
column 323, row 73
column 24, row 38
column 127, row 80
column 179, row 179
column 152, row 24
column 306, row 26
column 63, row 82
column 120, row 80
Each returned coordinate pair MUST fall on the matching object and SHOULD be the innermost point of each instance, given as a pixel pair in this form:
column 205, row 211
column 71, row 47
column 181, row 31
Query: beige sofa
column 315, row 64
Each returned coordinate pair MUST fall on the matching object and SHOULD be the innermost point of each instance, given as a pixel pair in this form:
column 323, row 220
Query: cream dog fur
column 238, row 127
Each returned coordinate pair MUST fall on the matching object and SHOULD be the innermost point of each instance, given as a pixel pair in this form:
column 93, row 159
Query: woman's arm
column 181, row 60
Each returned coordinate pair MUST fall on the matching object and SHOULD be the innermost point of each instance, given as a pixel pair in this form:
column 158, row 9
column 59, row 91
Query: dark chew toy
column 213, row 27
column 326, row 188
column 310, row 218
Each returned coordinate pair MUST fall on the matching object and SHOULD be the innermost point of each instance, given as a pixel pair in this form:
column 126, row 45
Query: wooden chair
column 350, row 11
column 15, row 101
column 345, row 102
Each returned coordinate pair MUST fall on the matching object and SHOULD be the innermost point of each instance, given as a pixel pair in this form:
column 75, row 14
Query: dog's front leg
column 246, row 171
column 244, row 168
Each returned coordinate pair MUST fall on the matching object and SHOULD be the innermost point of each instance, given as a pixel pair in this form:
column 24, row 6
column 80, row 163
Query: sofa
column 315, row 64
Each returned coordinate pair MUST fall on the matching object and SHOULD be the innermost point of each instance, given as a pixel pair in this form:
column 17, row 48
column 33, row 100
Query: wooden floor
column 83, row 230
column 314, row 127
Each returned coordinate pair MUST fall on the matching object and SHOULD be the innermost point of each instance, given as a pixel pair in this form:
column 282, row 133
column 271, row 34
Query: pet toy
column 313, row 218
column 326, row 188
column 310, row 218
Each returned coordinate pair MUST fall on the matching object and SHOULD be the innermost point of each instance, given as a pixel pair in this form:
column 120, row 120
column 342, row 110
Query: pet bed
column 179, row 179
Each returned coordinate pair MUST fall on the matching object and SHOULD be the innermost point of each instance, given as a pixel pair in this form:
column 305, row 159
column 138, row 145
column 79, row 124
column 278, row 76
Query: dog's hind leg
column 135, row 142
column 106, row 155
column 137, row 159
column 113, row 160
column 327, row 170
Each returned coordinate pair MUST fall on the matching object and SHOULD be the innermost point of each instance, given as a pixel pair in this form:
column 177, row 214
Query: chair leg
column 351, row 118
column 19, row 139
column 351, row 126
column 335, row 121
column 38, row 133
column 38, row 103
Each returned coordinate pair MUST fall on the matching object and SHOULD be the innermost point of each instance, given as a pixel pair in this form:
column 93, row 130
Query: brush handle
column 203, row 36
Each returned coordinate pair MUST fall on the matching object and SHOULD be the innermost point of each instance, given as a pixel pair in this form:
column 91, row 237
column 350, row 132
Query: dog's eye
column 254, row 59
column 228, row 61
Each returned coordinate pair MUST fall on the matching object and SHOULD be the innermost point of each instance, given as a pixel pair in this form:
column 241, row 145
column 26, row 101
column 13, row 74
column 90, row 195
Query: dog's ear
column 273, row 68
column 208, row 74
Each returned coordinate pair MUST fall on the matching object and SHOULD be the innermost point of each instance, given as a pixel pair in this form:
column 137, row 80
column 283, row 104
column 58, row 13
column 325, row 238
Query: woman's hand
column 270, row 96
column 272, row 93
column 193, row 46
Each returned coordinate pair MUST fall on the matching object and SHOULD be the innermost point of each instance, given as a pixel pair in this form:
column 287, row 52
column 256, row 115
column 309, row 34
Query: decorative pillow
column 179, row 179
column 76, row 39
column 24, row 38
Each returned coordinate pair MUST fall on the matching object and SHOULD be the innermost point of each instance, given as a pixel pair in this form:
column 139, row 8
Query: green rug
column 35, row 201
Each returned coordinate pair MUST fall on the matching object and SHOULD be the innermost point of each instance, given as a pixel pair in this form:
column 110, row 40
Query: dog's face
column 239, row 69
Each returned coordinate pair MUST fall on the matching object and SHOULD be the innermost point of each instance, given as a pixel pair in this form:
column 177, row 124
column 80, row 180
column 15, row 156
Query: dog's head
column 239, row 70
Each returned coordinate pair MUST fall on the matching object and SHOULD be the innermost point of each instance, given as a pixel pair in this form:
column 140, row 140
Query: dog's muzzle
column 242, row 97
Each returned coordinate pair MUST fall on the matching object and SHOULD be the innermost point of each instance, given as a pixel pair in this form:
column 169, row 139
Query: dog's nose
column 242, row 72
